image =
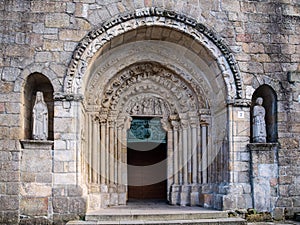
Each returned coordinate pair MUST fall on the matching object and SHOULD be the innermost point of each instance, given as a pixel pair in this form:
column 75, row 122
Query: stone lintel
column 37, row 144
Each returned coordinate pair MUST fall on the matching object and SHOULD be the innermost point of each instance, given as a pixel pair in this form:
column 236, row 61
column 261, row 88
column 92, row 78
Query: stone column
column 112, row 160
column 205, row 198
column 95, row 150
column 103, row 150
column 170, row 154
column 185, row 187
column 174, row 196
column 204, row 150
column 194, row 121
column 121, row 163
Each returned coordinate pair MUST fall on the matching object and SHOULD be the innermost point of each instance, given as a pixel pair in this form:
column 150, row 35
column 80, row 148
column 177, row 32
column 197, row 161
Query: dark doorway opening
column 146, row 160
column 147, row 172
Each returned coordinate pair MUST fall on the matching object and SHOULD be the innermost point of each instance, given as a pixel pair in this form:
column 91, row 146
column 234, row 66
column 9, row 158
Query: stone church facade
column 122, row 76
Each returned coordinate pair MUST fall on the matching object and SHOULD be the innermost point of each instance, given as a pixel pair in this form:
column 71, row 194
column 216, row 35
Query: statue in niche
column 40, row 118
column 259, row 124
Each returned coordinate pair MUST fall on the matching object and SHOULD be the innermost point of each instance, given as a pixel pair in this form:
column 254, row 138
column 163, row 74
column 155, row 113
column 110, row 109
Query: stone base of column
column 194, row 201
column 185, row 193
column 98, row 197
column 113, row 195
column 174, row 194
column 122, row 189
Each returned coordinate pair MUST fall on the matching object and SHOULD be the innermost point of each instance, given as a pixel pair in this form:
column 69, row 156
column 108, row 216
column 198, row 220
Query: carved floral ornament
column 90, row 45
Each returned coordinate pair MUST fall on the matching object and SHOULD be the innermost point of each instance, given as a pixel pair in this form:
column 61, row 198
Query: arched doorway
column 146, row 56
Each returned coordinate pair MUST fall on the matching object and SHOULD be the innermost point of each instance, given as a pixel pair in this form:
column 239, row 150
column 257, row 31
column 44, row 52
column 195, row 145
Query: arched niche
column 270, row 104
column 37, row 82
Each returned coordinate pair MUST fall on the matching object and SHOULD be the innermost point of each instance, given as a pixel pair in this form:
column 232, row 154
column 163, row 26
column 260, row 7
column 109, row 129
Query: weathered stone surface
column 34, row 206
column 229, row 48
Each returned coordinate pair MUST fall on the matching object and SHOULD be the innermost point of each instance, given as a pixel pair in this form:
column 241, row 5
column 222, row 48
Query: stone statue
column 259, row 124
column 40, row 118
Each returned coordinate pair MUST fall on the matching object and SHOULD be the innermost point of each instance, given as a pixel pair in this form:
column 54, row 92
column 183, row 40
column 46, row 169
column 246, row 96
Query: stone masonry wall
column 40, row 36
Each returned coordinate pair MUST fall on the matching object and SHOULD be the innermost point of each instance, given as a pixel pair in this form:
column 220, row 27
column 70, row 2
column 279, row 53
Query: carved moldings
column 152, row 79
column 88, row 47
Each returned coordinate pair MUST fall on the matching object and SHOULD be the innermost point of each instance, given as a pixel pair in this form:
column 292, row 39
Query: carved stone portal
column 148, row 104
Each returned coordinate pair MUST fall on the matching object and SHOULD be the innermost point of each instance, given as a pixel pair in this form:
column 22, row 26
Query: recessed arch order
column 91, row 44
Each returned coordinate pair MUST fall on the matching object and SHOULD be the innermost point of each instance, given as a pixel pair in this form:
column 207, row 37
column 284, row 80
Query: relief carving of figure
column 259, row 124
column 40, row 118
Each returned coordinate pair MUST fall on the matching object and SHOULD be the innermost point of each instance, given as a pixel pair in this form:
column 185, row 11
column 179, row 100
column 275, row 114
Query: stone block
column 229, row 202
column 9, row 202
column 71, row 35
column 114, row 198
column 44, row 178
column 57, row 20
column 64, row 155
column 43, row 57
column 65, row 178
column 9, row 217
column 60, row 205
column 267, row 170
column 74, row 191
column 50, row 45
column 10, row 74
column 206, row 200
column 77, row 206
column 12, row 188
column 284, row 202
column 278, row 214
column 59, row 191
column 289, row 143
column 35, row 189
column 34, row 206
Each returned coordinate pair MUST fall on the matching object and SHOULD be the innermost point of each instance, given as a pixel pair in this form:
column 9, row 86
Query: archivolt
column 153, row 79
column 96, row 39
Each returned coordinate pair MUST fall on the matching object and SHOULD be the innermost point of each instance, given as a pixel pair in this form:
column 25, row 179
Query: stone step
column 218, row 221
column 153, row 215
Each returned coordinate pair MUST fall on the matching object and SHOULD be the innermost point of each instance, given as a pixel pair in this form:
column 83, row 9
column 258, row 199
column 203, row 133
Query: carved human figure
column 40, row 118
column 259, row 124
